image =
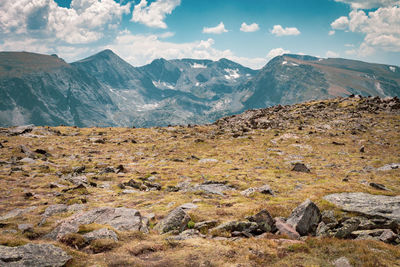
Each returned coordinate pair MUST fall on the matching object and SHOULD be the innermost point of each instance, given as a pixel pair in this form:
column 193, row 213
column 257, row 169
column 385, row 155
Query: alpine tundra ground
column 345, row 144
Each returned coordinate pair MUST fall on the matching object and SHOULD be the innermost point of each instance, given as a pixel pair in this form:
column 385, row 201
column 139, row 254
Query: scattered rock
column 346, row 228
column 305, row 218
column 16, row 213
column 342, row 262
column 212, row 188
column 59, row 208
column 286, row 229
column 188, row 206
column 378, row 186
column 205, row 225
column 236, row 226
column 25, row 227
column 122, row 219
column 20, row 130
column 389, row 167
column 208, row 161
column 187, row 234
column 362, row 149
column 27, row 152
column 265, row 189
column 264, row 221
column 102, row 233
column 338, row 143
column 300, row 167
column 33, row 255
column 367, row 204
column 176, row 220
column 28, row 160
column 388, row 236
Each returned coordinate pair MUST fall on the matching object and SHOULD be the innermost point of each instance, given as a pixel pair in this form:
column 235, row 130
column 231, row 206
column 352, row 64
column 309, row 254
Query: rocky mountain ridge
column 104, row 90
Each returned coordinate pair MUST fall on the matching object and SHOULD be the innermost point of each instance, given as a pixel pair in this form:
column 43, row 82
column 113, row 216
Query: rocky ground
column 314, row 184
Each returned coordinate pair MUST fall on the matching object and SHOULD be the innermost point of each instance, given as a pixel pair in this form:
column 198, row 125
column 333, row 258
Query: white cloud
column 381, row 29
column 153, row 15
column 166, row 35
column 249, row 28
column 277, row 52
column 84, row 22
column 278, row 30
column 331, row 32
column 368, row 4
column 220, row 28
column 340, row 23
column 331, row 54
column 142, row 49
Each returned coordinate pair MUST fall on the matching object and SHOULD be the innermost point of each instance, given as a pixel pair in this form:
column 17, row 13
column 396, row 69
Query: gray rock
column 372, row 205
column 342, row 262
column 348, row 226
column 102, row 233
column 305, row 218
column 300, row 167
column 33, row 255
column 328, row 216
column 176, row 220
column 122, row 219
column 27, row 160
column 129, row 191
column 213, row 188
column 25, row 227
column 286, row 229
column 322, row 229
column 264, row 221
column 27, row 152
column 378, row 186
column 76, row 180
column 205, row 225
column 265, row 189
column 20, row 130
column 208, row 161
column 388, row 236
column 389, row 167
column 236, row 226
column 59, row 208
column 373, row 233
column 16, row 213
column 187, row 234
column 188, row 206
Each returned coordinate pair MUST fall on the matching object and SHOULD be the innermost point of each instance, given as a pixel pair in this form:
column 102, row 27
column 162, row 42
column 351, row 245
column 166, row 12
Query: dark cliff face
column 104, row 90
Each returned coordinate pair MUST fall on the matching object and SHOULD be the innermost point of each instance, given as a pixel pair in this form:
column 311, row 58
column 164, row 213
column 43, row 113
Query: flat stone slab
column 367, row 204
column 122, row 219
column 33, row 255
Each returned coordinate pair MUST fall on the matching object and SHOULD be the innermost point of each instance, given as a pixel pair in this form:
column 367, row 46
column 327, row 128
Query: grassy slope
column 244, row 162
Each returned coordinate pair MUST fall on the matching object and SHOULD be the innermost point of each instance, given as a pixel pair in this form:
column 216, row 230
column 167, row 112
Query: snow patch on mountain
column 392, row 68
column 198, row 66
column 163, row 85
column 232, row 74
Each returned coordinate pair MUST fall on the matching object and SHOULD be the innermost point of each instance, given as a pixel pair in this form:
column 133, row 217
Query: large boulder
column 102, row 233
column 305, row 218
column 367, row 204
column 286, row 229
column 122, row 219
column 33, row 255
column 264, row 221
column 176, row 220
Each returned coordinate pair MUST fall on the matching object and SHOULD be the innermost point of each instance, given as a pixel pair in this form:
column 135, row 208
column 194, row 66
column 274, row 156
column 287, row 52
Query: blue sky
column 250, row 32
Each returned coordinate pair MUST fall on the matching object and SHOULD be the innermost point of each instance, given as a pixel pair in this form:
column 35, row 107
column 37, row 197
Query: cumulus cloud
column 368, row 4
column 142, row 49
column 331, row 54
column 153, row 15
column 278, row 30
column 220, row 28
column 331, row 32
column 277, row 52
column 84, row 22
column 381, row 29
column 340, row 23
column 249, row 28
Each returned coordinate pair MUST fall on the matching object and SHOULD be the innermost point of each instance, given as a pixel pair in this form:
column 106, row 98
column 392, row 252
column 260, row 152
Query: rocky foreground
column 313, row 184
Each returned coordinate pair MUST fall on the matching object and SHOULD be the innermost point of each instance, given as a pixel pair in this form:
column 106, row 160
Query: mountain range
column 104, row 90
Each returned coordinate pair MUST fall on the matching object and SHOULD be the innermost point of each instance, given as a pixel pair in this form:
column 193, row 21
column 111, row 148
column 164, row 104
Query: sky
column 250, row 32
